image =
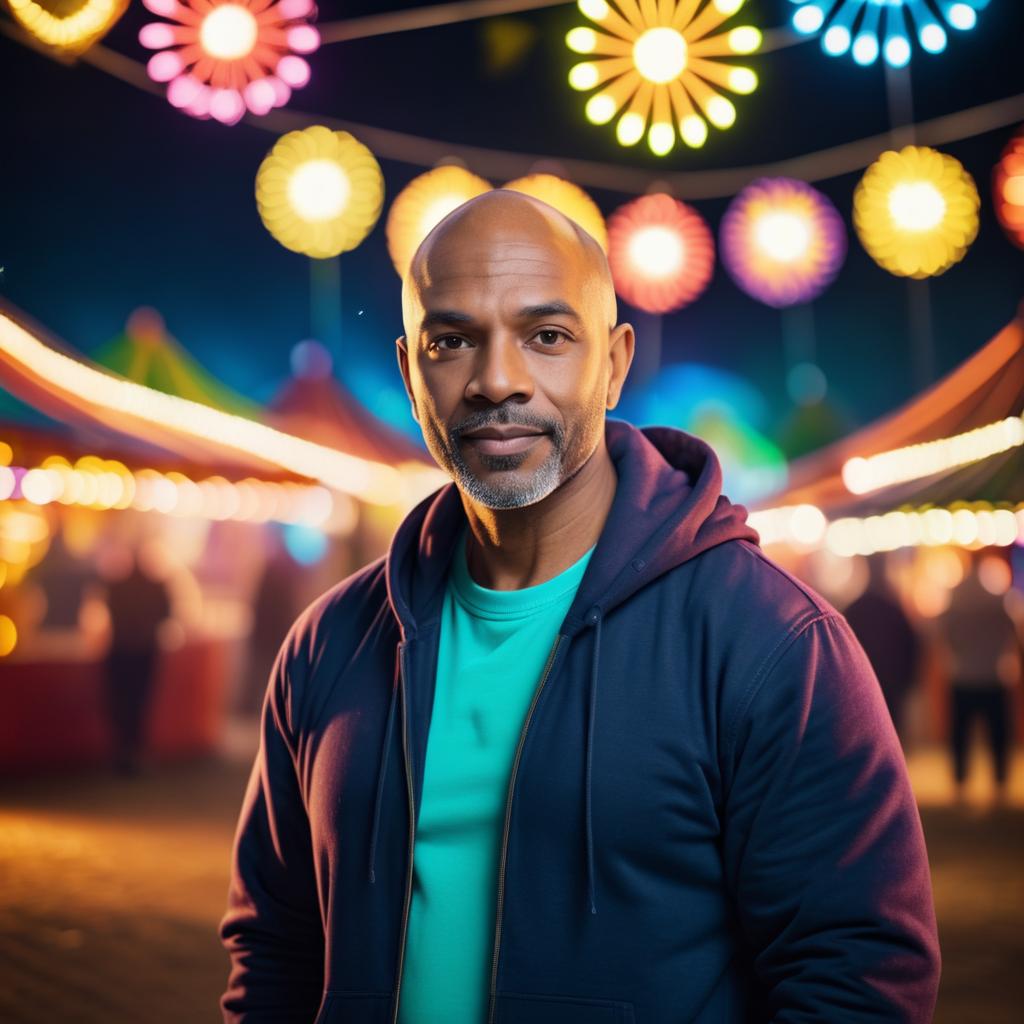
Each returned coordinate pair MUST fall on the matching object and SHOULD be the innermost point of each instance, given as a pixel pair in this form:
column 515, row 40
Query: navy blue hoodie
column 708, row 820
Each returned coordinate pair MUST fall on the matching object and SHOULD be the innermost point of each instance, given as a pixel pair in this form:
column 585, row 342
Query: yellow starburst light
column 916, row 211
column 71, row 27
column 423, row 204
column 659, row 68
column 319, row 192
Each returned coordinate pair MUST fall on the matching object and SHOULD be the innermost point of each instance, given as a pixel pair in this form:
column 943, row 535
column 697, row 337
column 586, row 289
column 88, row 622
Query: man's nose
column 500, row 370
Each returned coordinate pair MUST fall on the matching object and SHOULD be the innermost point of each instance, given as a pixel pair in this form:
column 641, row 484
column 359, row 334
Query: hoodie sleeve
column 823, row 843
column 272, row 928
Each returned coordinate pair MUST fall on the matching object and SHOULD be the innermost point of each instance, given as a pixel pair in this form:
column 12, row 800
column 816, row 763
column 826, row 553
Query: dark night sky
column 112, row 199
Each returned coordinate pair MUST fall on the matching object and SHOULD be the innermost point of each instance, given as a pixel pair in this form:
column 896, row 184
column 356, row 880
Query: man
column 661, row 784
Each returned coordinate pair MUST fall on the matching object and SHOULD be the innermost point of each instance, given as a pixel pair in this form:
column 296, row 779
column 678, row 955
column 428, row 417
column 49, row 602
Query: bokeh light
column 971, row 525
column 70, row 28
column 863, row 474
column 305, row 544
column 806, row 383
column 659, row 69
column 782, row 241
column 800, row 526
column 661, row 253
column 221, row 58
column 869, row 29
column 88, row 388
column 916, row 211
column 101, row 484
column 319, row 192
column 24, row 539
column 567, row 198
column 1008, row 190
column 722, row 408
column 8, row 635
column 423, row 204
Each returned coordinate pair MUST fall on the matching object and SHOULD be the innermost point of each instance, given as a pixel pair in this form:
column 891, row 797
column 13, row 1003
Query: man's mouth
column 503, row 440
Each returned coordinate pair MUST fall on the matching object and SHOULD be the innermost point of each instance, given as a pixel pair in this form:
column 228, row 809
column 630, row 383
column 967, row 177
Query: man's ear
column 621, row 348
column 402, row 352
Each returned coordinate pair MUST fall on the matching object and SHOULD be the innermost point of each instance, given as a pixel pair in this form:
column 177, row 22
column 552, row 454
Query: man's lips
column 492, row 441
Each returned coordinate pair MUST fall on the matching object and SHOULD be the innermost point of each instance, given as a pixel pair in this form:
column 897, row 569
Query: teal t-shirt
column 493, row 648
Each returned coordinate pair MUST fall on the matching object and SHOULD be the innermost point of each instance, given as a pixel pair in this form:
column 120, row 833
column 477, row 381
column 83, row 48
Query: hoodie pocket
column 530, row 1009
column 355, row 1008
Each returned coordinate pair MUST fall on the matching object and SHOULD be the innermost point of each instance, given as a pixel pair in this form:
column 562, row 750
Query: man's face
column 507, row 326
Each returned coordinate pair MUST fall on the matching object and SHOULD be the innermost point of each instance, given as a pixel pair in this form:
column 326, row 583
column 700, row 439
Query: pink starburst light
column 223, row 57
column 661, row 253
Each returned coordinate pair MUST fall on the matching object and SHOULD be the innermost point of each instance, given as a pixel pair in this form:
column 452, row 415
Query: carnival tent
column 46, row 376
column 985, row 389
column 317, row 406
column 146, row 353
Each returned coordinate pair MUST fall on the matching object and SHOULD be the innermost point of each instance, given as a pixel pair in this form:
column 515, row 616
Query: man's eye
column 550, row 338
column 440, row 342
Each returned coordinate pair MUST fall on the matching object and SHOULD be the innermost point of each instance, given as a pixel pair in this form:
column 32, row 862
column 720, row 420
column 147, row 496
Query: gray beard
column 569, row 453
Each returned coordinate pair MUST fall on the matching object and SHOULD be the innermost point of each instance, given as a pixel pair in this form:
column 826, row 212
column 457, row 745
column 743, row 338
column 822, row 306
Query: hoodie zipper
column 508, row 815
column 412, row 833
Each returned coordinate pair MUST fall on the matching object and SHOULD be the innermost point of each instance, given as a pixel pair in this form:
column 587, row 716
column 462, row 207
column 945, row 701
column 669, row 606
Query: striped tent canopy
column 985, row 389
column 317, row 406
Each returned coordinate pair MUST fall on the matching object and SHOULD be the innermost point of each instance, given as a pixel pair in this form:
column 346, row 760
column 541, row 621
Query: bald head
column 504, row 224
column 510, row 318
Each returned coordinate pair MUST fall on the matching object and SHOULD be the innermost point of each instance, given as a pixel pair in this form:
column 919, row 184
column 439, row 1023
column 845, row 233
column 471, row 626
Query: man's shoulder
column 738, row 579
column 343, row 603
column 321, row 639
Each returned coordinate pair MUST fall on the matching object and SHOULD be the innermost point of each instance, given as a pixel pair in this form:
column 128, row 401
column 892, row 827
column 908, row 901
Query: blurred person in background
column 890, row 640
column 65, row 579
column 981, row 651
column 275, row 606
column 137, row 604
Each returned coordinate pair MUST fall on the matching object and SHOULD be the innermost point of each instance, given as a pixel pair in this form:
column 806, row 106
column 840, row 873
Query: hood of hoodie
column 668, row 507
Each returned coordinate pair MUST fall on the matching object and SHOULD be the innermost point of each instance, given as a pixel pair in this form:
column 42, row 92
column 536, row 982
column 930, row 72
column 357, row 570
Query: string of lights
column 105, row 484
column 498, row 164
column 438, row 15
column 862, row 475
column 372, row 482
column 965, row 524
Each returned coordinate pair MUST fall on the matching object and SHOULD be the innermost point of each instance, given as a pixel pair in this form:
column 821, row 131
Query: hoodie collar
column 668, row 507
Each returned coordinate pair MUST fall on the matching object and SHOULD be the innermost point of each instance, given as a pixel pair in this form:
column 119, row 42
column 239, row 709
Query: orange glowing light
column 661, row 253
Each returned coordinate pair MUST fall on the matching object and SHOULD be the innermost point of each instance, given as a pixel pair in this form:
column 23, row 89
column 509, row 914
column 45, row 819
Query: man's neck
column 508, row 549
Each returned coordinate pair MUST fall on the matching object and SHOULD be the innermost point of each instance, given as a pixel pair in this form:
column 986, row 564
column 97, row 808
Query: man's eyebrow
column 455, row 317
column 556, row 308
column 444, row 318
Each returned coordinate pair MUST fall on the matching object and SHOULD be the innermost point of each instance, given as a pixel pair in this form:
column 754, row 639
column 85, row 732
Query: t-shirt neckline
column 511, row 604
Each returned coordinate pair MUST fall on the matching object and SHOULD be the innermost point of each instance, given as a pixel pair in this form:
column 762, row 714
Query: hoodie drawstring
column 595, row 617
column 382, row 770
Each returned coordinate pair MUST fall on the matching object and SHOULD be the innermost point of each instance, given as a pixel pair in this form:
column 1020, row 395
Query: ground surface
column 111, row 889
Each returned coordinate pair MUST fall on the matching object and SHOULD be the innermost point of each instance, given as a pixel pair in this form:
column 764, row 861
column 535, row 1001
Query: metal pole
column 919, row 307
column 325, row 302
column 799, row 344
column 647, row 358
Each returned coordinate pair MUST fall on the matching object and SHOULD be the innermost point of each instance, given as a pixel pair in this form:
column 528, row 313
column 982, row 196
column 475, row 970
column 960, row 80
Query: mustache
column 503, row 418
